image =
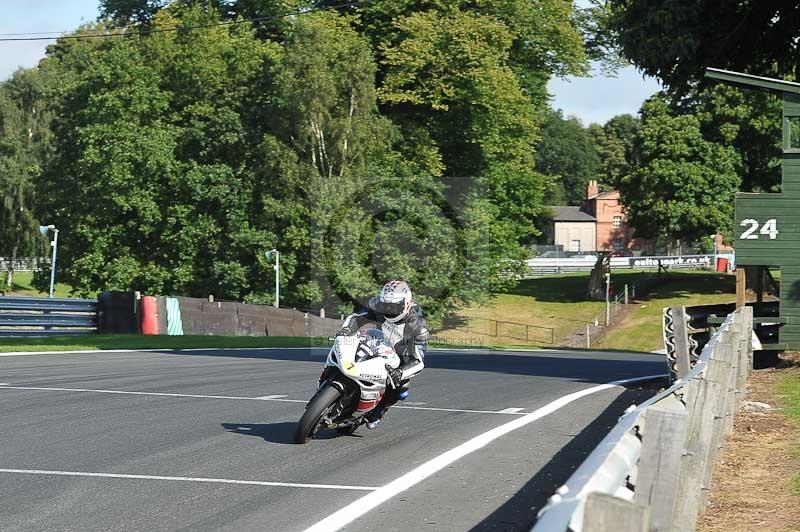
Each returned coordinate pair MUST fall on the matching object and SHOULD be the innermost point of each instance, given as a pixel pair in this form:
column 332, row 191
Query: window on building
column 618, row 245
column 616, row 222
column 575, row 245
column 792, row 134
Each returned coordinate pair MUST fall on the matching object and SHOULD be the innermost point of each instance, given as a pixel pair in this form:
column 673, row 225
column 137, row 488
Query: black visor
column 389, row 309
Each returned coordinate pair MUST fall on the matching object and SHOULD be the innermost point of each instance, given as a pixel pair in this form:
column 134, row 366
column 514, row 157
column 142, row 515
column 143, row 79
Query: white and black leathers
column 409, row 336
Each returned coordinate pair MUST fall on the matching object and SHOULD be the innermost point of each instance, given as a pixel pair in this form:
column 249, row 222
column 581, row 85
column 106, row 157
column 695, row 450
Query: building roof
column 571, row 214
column 748, row 81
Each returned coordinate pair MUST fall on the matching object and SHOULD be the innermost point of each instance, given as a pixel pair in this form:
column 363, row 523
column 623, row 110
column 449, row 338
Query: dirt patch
column 752, row 487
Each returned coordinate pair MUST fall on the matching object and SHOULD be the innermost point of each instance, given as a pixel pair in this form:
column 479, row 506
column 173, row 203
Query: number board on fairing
column 767, row 226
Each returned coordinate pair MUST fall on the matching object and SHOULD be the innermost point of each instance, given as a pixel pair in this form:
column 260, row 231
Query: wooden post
column 741, row 286
column 660, row 464
column 682, row 359
column 702, row 395
column 719, row 371
column 606, row 513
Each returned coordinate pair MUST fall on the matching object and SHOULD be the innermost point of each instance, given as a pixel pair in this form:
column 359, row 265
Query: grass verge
column 789, row 389
column 120, row 341
column 559, row 302
column 641, row 329
column 23, row 286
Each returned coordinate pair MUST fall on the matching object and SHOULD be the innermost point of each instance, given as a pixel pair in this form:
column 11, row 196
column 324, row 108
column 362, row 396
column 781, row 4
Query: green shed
column 768, row 225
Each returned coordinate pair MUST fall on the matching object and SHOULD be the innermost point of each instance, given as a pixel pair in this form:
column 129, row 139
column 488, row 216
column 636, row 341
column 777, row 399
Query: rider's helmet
column 394, row 301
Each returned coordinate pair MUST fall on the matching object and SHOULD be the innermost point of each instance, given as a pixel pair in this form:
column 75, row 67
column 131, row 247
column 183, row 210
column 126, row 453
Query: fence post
column 700, row 398
column 588, row 336
column 720, row 372
column 681, row 335
column 626, row 294
column 660, row 463
column 322, row 313
column 606, row 513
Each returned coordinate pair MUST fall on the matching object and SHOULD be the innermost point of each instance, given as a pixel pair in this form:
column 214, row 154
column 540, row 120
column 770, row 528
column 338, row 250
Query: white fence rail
column 23, row 264
column 539, row 266
column 652, row 472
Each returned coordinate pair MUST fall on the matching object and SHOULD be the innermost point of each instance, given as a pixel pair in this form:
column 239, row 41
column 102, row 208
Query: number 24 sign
column 769, row 228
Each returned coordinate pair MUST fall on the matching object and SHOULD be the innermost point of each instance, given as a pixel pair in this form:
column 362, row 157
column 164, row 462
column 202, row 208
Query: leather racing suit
column 409, row 337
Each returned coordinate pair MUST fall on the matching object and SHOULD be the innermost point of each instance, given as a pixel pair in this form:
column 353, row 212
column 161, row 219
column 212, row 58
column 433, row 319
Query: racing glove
column 394, row 378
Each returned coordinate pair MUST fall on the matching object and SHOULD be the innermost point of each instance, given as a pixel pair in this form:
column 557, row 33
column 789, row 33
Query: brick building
column 603, row 215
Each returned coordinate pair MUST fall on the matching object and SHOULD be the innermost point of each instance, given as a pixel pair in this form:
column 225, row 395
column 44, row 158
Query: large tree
column 682, row 184
column 24, row 141
column 568, row 154
column 676, row 41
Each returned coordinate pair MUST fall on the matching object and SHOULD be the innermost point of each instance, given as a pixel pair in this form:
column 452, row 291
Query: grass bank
column 556, row 302
column 559, row 303
column 23, row 286
column 640, row 328
column 789, row 389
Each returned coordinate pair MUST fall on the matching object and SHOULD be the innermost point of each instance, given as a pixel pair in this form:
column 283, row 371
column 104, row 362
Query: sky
column 594, row 99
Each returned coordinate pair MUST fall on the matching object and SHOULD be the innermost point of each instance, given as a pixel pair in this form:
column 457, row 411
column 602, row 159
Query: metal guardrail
column 36, row 316
column 654, row 468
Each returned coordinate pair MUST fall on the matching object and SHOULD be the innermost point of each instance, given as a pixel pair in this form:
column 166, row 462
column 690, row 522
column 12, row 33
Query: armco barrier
column 652, row 472
column 39, row 316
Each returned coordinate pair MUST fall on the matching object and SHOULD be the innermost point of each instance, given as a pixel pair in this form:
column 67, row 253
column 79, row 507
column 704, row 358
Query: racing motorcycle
column 351, row 385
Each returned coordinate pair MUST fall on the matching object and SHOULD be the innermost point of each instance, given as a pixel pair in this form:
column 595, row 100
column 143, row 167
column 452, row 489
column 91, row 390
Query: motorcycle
column 351, row 385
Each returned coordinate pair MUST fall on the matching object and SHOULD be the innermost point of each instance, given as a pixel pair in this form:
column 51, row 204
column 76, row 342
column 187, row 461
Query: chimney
column 592, row 191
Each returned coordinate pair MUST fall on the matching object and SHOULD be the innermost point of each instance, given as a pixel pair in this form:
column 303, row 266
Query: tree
column 683, row 185
column 568, row 154
column 24, row 141
column 676, row 41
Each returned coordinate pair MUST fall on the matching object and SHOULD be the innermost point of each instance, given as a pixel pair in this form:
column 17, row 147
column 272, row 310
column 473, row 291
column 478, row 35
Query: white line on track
column 511, row 411
column 361, row 506
column 189, row 479
column 278, row 398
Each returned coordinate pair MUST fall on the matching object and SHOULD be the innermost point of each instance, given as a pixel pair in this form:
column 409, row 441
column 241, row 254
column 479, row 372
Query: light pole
column 44, row 229
column 277, row 267
column 608, row 299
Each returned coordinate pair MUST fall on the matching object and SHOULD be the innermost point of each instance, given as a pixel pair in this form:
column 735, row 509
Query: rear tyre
column 316, row 408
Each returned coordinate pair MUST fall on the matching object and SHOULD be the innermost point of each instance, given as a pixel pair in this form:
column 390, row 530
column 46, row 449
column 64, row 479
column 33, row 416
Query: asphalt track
column 202, row 440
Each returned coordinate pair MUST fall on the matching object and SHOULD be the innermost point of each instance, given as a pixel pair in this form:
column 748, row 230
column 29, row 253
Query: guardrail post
column 681, row 335
column 606, row 513
column 700, row 398
column 720, row 372
column 660, row 463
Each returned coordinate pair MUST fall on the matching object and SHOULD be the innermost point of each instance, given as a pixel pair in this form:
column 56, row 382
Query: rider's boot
column 375, row 417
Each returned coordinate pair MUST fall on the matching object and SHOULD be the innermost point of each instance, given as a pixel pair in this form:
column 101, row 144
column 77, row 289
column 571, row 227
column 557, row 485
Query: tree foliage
column 383, row 139
column 24, row 141
column 676, row 41
column 682, row 183
column 567, row 152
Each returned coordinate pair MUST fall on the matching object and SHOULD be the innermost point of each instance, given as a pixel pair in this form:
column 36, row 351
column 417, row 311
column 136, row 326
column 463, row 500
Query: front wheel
column 316, row 408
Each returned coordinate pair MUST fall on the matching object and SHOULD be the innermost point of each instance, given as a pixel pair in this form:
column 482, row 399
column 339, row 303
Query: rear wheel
column 316, row 408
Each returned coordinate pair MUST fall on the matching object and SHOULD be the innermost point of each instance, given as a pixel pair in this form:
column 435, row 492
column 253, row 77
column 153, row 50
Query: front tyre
column 316, row 408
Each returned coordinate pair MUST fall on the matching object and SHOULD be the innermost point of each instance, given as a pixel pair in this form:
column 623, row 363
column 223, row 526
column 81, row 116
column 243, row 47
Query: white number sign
column 770, row 228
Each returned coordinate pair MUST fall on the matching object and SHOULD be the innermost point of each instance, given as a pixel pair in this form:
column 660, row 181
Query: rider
column 402, row 323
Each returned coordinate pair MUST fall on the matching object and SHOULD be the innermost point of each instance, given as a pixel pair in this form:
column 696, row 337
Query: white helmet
column 394, row 301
